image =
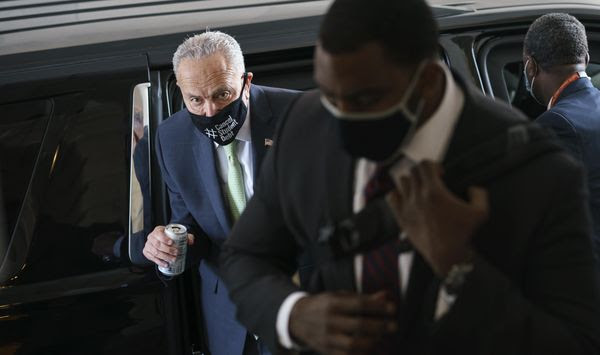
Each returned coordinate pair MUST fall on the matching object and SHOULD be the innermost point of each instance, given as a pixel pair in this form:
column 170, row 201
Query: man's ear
column 248, row 82
column 433, row 74
column 587, row 59
column 532, row 67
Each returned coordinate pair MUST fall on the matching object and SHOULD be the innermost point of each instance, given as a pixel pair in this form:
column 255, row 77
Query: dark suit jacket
column 533, row 290
column 187, row 162
column 576, row 121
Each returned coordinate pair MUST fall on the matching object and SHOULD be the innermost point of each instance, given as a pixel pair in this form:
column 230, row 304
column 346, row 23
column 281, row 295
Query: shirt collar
column 431, row 140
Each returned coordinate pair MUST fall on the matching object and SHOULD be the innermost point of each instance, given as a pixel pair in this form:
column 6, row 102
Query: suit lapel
column 338, row 199
column 469, row 133
column 262, row 125
column 421, row 295
column 205, row 162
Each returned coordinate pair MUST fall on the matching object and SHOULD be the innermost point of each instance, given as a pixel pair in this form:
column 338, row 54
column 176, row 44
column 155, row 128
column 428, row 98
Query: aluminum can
column 177, row 233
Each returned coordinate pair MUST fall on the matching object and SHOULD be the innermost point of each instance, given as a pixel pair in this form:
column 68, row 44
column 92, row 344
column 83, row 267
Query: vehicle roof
column 31, row 31
column 34, row 25
column 490, row 4
column 487, row 13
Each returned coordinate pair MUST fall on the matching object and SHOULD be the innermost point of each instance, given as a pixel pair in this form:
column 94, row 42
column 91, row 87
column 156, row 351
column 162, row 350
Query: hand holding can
column 178, row 234
column 167, row 247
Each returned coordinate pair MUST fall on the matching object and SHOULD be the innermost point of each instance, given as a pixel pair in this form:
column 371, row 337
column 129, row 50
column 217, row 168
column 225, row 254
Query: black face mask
column 377, row 136
column 375, row 140
column 225, row 125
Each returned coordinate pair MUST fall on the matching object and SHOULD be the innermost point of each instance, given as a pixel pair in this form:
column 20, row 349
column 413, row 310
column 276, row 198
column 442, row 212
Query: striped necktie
column 236, row 194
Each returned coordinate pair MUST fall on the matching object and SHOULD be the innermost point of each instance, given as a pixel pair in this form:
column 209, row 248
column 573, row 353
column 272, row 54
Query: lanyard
column 569, row 81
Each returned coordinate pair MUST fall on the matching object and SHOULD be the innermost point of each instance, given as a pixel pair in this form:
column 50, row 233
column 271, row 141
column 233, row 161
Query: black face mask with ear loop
column 224, row 126
column 378, row 136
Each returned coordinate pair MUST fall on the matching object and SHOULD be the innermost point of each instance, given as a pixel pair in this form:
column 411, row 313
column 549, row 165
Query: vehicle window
column 82, row 207
column 22, row 127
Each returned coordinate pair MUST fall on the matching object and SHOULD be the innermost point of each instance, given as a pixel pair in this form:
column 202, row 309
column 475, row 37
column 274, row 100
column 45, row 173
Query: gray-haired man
column 209, row 155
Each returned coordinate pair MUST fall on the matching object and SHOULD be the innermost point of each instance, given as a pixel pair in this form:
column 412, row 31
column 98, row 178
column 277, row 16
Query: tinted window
column 22, row 127
column 82, row 196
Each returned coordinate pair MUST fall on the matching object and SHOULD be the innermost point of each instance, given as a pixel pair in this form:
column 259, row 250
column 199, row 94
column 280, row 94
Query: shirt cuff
column 283, row 320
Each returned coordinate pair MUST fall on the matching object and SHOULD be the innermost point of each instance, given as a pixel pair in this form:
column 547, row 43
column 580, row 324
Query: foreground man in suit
column 426, row 206
column 209, row 154
column 555, row 55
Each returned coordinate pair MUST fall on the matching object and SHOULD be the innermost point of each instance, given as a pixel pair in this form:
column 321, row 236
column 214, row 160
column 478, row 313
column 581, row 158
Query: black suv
column 83, row 86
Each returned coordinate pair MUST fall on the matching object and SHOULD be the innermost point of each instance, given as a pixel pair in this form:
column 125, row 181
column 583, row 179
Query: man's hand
column 342, row 322
column 159, row 247
column 439, row 224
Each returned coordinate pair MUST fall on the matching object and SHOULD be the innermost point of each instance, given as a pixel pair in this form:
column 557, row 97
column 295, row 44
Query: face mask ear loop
column 412, row 85
column 412, row 116
column 533, row 93
column 245, row 77
column 416, row 114
column 587, row 59
column 533, row 80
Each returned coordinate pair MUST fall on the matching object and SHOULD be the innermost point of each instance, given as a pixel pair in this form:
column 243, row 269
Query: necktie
column 236, row 194
column 380, row 265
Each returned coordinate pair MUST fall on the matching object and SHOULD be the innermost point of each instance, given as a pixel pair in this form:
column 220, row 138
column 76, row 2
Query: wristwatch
column 456, row 277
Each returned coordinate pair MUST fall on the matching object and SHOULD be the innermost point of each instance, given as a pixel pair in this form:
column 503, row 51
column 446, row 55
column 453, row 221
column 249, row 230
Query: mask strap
column 532, row 60
column 413, row 83
column 409, row 93
column 244, row 77
column 533, row 79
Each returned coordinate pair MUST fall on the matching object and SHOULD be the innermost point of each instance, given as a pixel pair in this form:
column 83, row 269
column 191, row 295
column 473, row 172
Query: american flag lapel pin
column 268, row 142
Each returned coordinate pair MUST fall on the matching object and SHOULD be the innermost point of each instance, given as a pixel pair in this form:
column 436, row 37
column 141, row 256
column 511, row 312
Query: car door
column 66, row 283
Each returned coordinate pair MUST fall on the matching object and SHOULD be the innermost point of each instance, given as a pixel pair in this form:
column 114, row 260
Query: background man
column 555, row 55
column 503, row 268
column 209, row 155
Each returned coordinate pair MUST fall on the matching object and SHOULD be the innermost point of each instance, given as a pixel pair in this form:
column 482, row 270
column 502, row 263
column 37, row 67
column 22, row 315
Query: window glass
column 83, row 217
column 22, row 127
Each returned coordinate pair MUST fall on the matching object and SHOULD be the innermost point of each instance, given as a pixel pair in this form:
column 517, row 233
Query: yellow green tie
column 236, row 194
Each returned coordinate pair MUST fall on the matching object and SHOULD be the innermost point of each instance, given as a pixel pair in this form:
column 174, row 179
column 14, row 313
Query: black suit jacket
column 533, row 290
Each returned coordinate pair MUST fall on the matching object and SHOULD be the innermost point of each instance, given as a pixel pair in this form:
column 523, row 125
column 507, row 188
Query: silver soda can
column 178, row 234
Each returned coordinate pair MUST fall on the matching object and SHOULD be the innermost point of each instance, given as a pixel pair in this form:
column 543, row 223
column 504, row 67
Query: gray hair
column 207, row 44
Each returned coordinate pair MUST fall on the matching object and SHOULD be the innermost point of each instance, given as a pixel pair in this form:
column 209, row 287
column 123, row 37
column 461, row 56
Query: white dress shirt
column 245, row 156
column 429, row 142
